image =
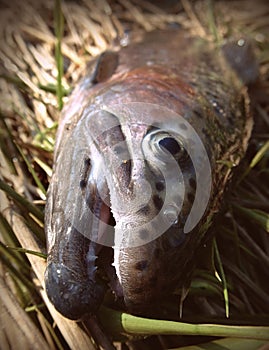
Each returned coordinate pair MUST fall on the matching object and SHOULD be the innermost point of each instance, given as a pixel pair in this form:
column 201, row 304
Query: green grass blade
column 118, row 322
column 212, row 21
column 259, row 155
column 59, row 27
column 14, row 79
column 31, row 170
column 53, row 89
column 16, row 272
column 255, row 160
column 258, row 216
column 14, row 258
column 28, row 251
column 7, row 234
column 203, row 287
column 21, row 200
column 5, row 134
column 45, row 139
column 260, row 295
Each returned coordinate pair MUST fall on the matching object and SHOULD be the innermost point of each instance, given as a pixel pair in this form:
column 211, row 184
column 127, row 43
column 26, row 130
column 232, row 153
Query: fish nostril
column 144, row 234
column 159, row 186
column 141, row 265
column 119, row 149
column 170, row 144
column 83, row 184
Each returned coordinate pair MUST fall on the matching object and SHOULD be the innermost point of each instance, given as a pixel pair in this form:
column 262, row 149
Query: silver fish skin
column 126, row 130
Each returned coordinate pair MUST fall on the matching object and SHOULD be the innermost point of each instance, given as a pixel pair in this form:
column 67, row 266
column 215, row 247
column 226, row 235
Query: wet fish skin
column 187, row 76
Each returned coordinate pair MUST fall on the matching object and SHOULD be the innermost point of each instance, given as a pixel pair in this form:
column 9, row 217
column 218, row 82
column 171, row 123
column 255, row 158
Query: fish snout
column 70, row 295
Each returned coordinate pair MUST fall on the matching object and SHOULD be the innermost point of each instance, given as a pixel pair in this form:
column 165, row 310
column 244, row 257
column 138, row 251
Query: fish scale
column 156, row 119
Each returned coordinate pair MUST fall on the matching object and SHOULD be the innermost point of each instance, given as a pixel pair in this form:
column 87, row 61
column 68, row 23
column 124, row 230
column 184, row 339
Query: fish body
column 148, row 140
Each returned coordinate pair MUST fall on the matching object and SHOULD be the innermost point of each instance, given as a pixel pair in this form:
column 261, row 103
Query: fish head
column 132, row 175
column 144, row 150
column 152, row 175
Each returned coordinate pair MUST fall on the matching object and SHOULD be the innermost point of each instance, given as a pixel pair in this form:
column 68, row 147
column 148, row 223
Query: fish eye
column 166, row 143
column 171, row 145
column 163, row 144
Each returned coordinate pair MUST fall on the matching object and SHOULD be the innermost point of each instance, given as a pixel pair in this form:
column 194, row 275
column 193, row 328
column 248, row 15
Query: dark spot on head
column 141, row 265
column 83, row 184
column 87, row 162
column 192, row 183
column 119, row 149
column 183, row 126
column 155, row 224
column 145, row 210
column 158, row 202
column 143, row 234
column 159, row 186
column 190, row 197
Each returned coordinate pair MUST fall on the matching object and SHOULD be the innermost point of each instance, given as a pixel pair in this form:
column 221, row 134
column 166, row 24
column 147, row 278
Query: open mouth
column 80, row 270
column 103, row 234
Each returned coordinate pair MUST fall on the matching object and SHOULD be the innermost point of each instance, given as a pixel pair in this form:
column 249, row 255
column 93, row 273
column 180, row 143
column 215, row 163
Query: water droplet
column 125, row 40
column 171, row 214
column 241, row 42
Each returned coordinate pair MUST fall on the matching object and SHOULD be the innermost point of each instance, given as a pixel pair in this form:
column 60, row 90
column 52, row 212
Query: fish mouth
column 79, row 270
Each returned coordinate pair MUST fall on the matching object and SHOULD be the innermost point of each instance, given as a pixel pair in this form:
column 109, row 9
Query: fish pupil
column 170, row 144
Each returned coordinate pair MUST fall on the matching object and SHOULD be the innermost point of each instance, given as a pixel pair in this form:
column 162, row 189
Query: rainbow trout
column 144, row 150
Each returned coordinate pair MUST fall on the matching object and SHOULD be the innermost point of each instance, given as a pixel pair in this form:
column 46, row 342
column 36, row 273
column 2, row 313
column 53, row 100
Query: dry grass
column 29, row 115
